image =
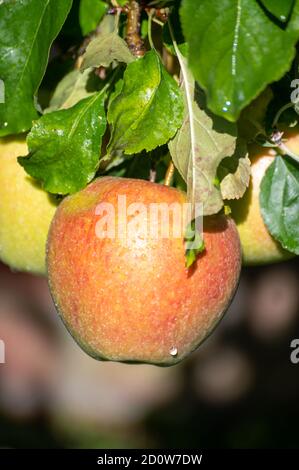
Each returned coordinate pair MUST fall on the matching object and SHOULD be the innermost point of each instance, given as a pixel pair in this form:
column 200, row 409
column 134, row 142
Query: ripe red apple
column 138, row 302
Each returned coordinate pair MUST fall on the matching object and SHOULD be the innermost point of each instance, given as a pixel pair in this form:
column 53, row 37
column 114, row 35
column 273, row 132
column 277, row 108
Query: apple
column 132, row 299
column 26, row 211
column 258, row 246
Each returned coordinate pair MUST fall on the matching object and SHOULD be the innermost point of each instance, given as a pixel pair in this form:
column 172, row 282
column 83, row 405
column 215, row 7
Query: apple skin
column 136, row 303
column 26, row 212
column 258, row 246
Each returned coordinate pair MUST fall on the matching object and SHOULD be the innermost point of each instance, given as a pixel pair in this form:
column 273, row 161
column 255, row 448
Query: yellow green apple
column 26, row 211
column 258, row 246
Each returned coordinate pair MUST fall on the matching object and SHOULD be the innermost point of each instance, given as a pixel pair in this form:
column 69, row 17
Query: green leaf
column 27, row 30
column 65, row 146
column 74, row 87
column 104, row 49
column 117, row 90
column 234, row 184
column 235, row 50
column 148, row 111
column 279, row 201
column 253, row 118
column 90, row 14
column 194, row 244
column 279, row 8
column 200, row 145
column 234, row 173
column 107, row 25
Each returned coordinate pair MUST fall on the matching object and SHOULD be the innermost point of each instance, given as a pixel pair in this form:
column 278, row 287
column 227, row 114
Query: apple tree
column 189, row 93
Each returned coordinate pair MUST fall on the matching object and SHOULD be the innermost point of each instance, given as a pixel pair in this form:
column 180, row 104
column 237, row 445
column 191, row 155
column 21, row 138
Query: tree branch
column 133, row 37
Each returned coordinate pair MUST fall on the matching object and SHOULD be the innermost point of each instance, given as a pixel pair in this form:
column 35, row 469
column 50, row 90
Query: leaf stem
column 150, row 19
column 280, row 111
column 160, row 23
column 169, row 174
column 286, row 151
column 117, row 18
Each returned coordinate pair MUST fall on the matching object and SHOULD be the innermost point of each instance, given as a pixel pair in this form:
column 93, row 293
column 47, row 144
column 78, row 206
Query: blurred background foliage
column 239, row 389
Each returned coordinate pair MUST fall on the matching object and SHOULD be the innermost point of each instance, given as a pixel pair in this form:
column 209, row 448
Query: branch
column 133, row 37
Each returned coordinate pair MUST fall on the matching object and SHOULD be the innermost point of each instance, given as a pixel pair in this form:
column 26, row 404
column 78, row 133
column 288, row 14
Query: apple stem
column 169, row 174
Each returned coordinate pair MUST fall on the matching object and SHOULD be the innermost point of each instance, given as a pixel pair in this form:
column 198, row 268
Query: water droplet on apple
column 173, row 352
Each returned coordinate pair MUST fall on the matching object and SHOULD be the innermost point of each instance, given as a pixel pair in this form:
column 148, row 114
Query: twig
column 133, row 36
column 161, row 14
